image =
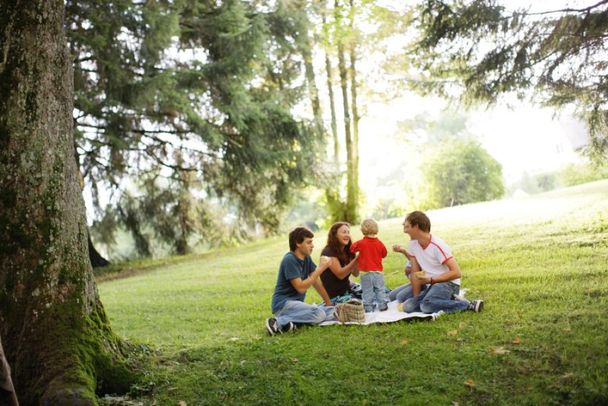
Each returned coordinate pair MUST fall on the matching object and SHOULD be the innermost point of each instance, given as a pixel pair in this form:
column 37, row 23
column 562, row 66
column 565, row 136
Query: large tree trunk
column 55, row 332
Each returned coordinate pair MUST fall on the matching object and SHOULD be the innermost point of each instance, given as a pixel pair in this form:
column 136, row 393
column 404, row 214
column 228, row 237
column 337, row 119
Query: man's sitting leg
column 439, row 298
column 412, row 304
column 403, row 293
column 302, row 313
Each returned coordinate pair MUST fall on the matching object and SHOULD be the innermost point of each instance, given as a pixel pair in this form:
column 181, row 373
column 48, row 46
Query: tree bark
column 97, row 260
column 55, row 332
column 353, row 94
column 351, row 201
column 7, row 390
column 309, row 71
column 330, row 94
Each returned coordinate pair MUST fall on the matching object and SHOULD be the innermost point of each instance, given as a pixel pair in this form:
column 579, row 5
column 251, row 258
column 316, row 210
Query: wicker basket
column 351, row 311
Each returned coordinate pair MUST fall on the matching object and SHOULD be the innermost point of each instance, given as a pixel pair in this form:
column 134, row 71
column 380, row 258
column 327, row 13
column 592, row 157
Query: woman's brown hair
column 344, row 255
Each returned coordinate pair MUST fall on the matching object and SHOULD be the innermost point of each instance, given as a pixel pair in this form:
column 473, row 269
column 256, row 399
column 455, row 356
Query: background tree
column 339, row 40
column 444, row 163
column 336, row 207
column 462, row 172
column 480, row 49
column 53, row 327
column 215, row 102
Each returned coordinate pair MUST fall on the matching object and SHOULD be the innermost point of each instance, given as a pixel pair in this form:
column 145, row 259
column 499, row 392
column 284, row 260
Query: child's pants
column 372, row 285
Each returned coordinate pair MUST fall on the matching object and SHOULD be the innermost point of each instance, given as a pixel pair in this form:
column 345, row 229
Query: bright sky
column 522, row 137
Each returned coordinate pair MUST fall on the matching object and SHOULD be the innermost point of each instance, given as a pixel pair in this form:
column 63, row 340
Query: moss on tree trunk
column 55, row 332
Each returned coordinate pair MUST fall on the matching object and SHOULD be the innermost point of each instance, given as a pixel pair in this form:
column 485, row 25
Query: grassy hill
column 540, row 263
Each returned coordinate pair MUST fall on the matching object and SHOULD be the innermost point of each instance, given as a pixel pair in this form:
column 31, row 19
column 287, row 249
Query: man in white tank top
column 436, row 274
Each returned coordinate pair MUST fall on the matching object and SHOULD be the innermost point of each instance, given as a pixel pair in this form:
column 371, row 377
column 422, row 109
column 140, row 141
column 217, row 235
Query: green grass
column 540, row 263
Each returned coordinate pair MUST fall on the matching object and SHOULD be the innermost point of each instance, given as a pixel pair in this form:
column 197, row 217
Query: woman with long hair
column 336, row 279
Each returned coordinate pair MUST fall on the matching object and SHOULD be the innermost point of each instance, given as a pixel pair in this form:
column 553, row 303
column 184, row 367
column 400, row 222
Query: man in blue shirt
column 297, row 274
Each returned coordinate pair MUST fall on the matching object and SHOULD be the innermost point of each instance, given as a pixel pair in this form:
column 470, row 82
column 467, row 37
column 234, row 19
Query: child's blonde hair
column 369, row 227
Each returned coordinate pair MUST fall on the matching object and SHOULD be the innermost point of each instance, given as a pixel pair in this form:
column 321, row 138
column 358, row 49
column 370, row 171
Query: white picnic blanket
column 393, row 314
column 388, row 316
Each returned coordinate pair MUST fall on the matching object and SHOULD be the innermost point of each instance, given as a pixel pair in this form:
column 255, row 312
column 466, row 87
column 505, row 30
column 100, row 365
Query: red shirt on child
column 371, row 251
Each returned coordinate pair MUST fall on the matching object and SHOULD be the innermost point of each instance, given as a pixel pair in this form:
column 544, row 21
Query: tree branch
column 569, row 10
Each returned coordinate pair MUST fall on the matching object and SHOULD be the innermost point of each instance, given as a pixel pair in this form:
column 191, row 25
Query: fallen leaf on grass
column 462, row 325
column 567, row 375
column 182, row 403
column 470, row 383
column 516, row 341
column 295, row 360
column 499, row 350
column 405, row 341
column 452, row 333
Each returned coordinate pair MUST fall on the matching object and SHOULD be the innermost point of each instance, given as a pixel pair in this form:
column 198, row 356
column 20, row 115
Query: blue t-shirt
column 291, row 268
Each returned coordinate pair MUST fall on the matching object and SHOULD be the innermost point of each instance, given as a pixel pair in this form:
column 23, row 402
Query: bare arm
column 342, row 272
column 322, row 292
column 450, row 275
column 416, row 283
column 355, row 269
column 398, row 248
column 303, row 285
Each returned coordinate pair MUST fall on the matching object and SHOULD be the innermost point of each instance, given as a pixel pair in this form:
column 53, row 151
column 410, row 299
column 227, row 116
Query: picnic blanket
column 389, row 316
column 393, row 314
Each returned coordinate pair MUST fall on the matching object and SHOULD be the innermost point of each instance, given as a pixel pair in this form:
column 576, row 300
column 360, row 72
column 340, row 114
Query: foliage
column 447, row 126
column 307, row 210
column 462, row 172
column 569, row 175
column 445, row 165
column 536, row 342
column 574, row 174
column 479, row 49
column 197, row 87
column 387, row 207
column 542, row 182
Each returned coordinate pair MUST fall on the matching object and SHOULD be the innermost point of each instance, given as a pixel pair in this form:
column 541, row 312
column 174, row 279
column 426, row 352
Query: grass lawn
column 540, row 263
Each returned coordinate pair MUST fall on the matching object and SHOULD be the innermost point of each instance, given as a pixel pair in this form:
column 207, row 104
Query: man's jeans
column 372, row 284
column 402, row 293
column 303, row 313
column 435, row 298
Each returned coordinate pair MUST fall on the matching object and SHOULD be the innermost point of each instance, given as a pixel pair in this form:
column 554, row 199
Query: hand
column 325, row 262
column 397, row 248
column 422, row 277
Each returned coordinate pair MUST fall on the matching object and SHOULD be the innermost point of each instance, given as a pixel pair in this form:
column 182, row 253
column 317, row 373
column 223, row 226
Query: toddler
column 371, row 251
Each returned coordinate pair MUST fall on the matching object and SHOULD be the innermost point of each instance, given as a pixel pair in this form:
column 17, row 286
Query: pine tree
column 479, row 49
column 219, row 98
